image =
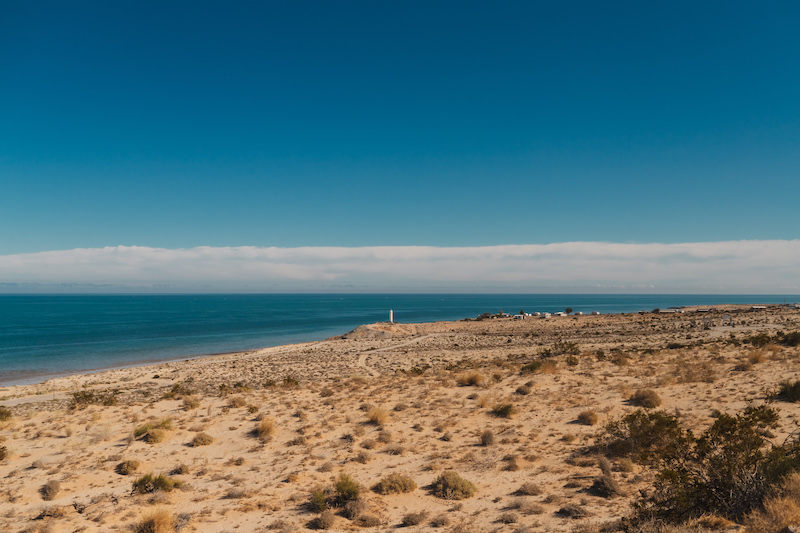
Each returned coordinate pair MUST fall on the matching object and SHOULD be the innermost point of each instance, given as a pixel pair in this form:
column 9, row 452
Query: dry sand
column 413, row 376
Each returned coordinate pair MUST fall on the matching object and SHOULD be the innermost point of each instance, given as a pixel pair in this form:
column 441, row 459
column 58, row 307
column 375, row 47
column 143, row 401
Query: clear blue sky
column 179, row 124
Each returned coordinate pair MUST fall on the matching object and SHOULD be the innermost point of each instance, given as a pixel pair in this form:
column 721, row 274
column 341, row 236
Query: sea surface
column 42, row 336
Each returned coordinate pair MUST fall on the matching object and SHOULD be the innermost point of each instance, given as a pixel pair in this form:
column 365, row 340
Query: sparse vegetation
column 50, row 490
column 264, row 430
column 377, row 416
column 126, row 468
column 160, row 521
column 5, row 413
column 647, row 398
column 505, row 410
column 588, row 417
column 201, row 439
column 149, row 483
column 450, row 486
column 471, row 379
column 394, row 484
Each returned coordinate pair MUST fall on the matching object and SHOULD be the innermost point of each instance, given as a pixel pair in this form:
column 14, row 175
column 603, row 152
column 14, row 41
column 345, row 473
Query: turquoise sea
column 48, row 335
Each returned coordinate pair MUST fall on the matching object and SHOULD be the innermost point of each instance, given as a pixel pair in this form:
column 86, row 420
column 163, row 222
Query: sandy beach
column 249, row 437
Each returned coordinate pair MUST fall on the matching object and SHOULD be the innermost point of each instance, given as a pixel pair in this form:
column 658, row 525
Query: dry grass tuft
column 201, row 439
column 377, row 416
column 264, row 430
column 588, row 417
column 161, row 521
column 645, row 398
column 126, row 468
column 50, row 490
column 471, row 379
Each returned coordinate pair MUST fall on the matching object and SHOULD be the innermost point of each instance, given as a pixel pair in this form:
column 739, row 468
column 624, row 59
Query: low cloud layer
column 768, row 267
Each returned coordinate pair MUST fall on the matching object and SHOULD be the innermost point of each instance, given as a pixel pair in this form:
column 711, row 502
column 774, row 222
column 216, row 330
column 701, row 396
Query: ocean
column 48, row 335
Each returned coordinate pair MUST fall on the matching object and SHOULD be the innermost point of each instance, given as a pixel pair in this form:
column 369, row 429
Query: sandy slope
column 433, row 423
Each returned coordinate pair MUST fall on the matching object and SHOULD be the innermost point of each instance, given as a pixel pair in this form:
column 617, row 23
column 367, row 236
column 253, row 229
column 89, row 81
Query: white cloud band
column 765, row 266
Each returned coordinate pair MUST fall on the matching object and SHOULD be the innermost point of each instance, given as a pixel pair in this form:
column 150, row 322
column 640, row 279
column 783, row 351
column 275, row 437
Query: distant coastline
column 45, row 336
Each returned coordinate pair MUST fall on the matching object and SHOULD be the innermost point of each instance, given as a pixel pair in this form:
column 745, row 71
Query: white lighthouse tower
column 391, row 316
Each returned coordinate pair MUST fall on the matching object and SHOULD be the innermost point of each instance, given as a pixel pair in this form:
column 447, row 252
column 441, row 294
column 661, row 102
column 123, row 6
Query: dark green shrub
column 789, row 391
column 346, row 489
column 674, row 346
column 645, row 436
column 760, row 340
column 605, row 486
column 5, row 413
column 394, row 484
column 571, row 360
column 727, row 471
column 791, row 339
column 564, row 347
column 81, row 399
column 451, row 486
column 3, row 452
column 318, row 501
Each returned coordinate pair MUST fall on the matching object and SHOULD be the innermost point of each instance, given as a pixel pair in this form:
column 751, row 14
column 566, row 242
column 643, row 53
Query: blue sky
column 175, row 125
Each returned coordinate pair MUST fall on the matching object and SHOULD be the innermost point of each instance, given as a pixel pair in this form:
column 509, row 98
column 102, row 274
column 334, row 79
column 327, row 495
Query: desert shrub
column 572, row 510
column 324, row 521
column 126, row 468
column 588, row 417
column 756, row 356
column 151, row 483
column 533, row 366
column 414, row 519
column 780, row 510
column 50, row 490
column 377, row 416
column 318, row 500
column 487, row 438
column 505, row 410
column 290, row 382
column 571, row 360
column 789, row 391
column 201, row 439
column 647, row 398
column 791, row 339
column 523, row 390
column 565, row 347
column 644, row 436
column 605, row 486
column 237, row 401
column 394, row 484
column 760, row 340
column 264, row 430
column 153, row 432
column 440, row 520
column 5, row 413
column 471, row 379
column 161, row 521
column 354, row 509
column 3, row 453
column 450, row 486
column 345, row 490
column 728, row 471
column 368, row 520
column 190, row 402
column 674, row 346
column 81, row 399
column 508, row 518
column 529, row 489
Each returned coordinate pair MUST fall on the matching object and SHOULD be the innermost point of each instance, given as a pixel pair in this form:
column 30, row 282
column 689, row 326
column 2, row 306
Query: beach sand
column 410, row 399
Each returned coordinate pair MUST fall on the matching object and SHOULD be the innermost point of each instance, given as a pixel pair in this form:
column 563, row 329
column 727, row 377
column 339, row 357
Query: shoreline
column 55, row 383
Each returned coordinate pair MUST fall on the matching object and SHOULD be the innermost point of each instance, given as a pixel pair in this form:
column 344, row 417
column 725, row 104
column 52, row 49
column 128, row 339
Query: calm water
column 47, row 335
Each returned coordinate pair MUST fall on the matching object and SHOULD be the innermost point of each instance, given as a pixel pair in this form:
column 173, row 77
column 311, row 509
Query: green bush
column 727, row 471
column 645, row 436
column 5, row 414
column 451, row 486
column 201, row 439
column 791, row 339
column 81, row 399
column 3, row 452
column 394, row 484
column 346, row 489
column 533, row 366
column 789, row 391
